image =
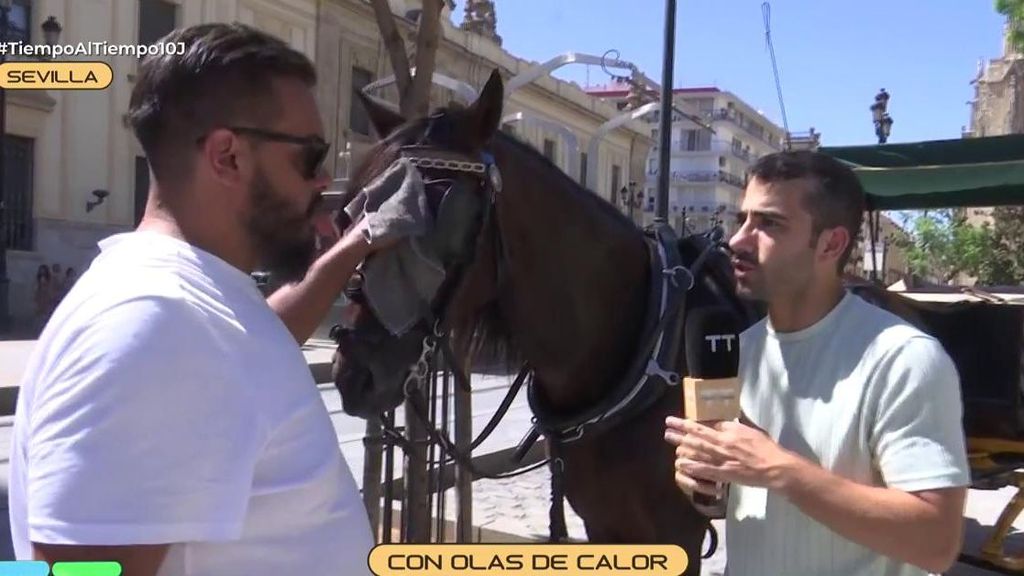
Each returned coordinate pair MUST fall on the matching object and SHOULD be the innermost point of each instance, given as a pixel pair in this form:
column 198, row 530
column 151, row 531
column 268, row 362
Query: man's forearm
column 302, row 306
column 916, row 529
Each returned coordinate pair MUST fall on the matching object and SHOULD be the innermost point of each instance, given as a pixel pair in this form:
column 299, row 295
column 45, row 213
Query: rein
column 647, row 379
column 650, row 373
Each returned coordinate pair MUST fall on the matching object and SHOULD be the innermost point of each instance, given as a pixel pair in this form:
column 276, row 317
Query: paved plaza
column 506, row 510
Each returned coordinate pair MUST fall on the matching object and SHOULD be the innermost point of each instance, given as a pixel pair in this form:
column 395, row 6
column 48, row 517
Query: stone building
column 998, row 104
column 75, row 174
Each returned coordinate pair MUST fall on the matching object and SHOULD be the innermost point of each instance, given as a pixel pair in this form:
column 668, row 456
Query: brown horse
column 561, row 279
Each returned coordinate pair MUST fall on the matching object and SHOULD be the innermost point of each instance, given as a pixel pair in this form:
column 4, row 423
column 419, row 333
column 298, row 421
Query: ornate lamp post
column 880, row 116
column 631, row 198
column 51, row 31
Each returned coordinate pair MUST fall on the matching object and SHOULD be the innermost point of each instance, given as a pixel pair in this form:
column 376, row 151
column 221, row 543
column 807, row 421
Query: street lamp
column 631, row 198
column 880, row 116
column 51, row 31
column 716, row 216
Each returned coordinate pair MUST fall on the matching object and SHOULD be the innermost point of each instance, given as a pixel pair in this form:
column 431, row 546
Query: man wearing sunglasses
column 168, row 420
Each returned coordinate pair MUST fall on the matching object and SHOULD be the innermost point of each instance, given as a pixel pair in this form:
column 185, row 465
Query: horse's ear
column 486, row 111
column 384, row 118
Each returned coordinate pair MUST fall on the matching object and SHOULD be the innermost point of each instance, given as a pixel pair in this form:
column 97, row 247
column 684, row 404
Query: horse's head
column 449, row 149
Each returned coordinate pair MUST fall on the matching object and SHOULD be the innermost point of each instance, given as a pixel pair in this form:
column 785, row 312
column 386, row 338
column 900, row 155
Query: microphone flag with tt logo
column 711, row 387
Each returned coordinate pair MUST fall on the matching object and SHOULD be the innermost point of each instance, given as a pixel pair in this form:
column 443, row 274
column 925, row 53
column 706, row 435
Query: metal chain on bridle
column 446, row 164
column 424, row 371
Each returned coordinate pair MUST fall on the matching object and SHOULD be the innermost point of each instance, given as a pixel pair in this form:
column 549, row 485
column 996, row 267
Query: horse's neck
column 579, row 283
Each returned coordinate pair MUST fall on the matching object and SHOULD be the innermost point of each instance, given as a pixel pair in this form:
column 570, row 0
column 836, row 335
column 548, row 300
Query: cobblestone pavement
column 519, row 507
column 516, row 507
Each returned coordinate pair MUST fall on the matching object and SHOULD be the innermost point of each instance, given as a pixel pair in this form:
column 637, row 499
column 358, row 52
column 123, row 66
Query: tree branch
column 395, row 46
column 426, row 55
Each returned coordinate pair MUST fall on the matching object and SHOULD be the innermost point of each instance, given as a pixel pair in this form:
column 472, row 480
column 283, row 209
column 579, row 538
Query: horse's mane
column 587, row 195
column 487, row 332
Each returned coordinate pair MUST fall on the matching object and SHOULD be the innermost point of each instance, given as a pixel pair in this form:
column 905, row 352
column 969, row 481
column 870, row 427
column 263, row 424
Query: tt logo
column 716, row 338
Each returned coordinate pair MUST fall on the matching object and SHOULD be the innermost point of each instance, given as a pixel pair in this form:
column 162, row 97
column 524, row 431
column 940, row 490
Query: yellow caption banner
column 55, row 75
column 527, row 559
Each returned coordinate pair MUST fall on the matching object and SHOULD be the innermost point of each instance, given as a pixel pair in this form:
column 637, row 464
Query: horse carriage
column 982, row 329
column 548, row 272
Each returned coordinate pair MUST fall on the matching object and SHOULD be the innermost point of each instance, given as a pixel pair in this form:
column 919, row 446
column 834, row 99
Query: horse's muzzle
column 370, row 373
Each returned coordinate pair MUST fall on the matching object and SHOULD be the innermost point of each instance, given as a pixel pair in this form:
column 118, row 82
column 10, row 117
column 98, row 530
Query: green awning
column 940, row 173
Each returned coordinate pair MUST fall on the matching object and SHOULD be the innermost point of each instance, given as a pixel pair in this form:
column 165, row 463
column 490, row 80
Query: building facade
column 998, row 104
column 75, row 174
column 889, row 262
column 997, row 108
column 716, row 138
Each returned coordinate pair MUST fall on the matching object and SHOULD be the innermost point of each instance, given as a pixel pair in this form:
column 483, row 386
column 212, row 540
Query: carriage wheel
column 992, row 550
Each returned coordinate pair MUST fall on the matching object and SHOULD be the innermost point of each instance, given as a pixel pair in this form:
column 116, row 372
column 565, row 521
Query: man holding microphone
column 849, row 457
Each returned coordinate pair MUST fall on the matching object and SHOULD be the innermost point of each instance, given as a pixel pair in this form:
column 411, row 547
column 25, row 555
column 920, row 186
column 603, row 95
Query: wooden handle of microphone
column 708, row 400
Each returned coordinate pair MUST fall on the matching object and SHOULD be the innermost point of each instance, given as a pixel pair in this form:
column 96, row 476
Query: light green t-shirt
column 865, row 395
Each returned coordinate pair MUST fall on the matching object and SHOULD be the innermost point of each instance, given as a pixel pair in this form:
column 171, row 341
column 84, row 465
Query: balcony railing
column 742, row 154
column 730, row 178
column 705, row 176
column 748, row 125
column 717, row 147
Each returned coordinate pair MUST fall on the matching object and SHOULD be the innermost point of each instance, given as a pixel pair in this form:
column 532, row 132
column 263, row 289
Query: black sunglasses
column 314, row 148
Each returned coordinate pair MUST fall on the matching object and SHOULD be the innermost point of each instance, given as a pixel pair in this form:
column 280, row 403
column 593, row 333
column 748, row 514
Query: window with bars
column 18, row 224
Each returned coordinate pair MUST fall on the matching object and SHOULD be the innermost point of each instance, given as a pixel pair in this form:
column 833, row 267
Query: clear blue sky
column 833, row 55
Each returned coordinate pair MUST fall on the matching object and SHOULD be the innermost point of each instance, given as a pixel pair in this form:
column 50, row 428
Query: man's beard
column 752, row 288
column 283, row 238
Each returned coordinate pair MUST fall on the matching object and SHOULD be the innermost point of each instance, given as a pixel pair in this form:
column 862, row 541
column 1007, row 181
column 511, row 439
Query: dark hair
column 223, row 77
column 835, row 197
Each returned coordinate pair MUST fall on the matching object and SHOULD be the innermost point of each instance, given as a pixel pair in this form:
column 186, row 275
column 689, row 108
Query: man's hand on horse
column 359, row 235
column 726, row 452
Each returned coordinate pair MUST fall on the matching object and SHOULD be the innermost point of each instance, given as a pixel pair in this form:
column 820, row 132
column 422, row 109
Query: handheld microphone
column 711, row 390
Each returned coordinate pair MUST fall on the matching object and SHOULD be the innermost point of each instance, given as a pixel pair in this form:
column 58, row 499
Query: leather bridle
column 440, row 167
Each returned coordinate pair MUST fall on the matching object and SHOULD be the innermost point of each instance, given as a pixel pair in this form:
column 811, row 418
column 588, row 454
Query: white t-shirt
column 866, row 396
column 166, row 403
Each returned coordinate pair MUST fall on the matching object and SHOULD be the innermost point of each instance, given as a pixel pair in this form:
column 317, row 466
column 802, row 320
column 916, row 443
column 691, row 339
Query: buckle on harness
column 673, row 275
column 655, row 369
column 576, row 434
